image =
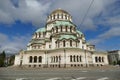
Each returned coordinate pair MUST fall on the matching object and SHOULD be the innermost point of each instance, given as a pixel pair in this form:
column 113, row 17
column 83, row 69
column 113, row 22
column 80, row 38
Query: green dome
column 67, row 37
column 79, row 32
column 40, row 30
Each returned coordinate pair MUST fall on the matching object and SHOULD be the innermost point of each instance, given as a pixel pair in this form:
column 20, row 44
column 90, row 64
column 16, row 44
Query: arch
column 30, row 59
column 70, row 58
column 35, row 59
column 40, row 59
column 62, row 16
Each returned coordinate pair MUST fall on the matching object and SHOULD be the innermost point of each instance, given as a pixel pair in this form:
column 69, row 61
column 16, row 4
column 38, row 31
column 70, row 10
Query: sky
column 19, row 19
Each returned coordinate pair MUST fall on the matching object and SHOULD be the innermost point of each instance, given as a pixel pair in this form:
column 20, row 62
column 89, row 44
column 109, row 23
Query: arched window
column 80, row 58
column 57, row 16
column 56, row 58
column 40, row 59
column 35, row 59
column 70, row 28
column 61, row 28
column 64, row 43
column 30, row 59
column 53, row 16
column 70, row 58
column 70, row 43
column 96, row 59
column 39, row 35
column 65, row 16
column 74, row 58
column 62, row 16
column 56, row 30
column 99, row 59
column 77, row 58
column 66, row 28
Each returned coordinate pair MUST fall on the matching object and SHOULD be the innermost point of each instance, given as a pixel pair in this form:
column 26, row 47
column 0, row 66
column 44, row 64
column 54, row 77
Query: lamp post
column 59, row 60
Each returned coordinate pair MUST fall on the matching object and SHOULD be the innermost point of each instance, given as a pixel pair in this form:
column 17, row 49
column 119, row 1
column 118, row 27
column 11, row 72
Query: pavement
column 91, row 73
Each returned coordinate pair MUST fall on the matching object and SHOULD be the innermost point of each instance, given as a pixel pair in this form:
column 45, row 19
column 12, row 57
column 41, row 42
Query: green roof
column 79, row 32
column 58, row 23
column 40, row 30
column 67, row 37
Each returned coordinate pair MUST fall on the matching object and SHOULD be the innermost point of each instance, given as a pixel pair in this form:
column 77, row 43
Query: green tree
column 2, row 59
column 114, row 62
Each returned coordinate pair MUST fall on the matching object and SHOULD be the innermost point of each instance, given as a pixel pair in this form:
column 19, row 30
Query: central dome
column 59, row 14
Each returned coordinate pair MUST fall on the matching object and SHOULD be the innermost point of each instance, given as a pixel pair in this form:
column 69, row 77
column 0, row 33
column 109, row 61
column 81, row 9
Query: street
column 60, row 74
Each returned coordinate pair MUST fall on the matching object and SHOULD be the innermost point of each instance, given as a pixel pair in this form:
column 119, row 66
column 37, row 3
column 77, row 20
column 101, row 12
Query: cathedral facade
column 60, row 44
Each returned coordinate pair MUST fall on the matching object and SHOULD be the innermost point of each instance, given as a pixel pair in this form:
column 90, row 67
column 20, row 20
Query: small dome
column 40, row 30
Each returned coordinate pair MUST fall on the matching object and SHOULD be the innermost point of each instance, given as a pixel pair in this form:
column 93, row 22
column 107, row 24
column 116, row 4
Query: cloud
column 13, row 44
column 111, row 33
column 35, row 11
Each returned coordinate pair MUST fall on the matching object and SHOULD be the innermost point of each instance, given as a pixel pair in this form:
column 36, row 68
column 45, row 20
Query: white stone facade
column 60, row 44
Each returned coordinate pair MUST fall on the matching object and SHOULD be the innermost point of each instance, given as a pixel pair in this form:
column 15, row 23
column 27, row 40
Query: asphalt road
column 59, row 74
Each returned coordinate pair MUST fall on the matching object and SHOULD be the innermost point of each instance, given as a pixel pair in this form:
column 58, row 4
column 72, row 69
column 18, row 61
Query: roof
column 40, row 30
column 58, row 23
column 79, row 32
column 67, row 37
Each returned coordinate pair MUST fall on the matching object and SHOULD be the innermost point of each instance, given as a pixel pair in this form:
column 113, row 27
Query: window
column 61, row 28
column 77, row 58
column 53, row 16
column 66, row 28
column 99, row 59
column 96, row 60
column 56, row 30
column 30, row 59
column 40, row 59
column 74, row 58
column 64, row 43
column 70, row 58
column 70, row 28
column 62, row 16
column 35, row 59
column 57, row 16
column 56, row 58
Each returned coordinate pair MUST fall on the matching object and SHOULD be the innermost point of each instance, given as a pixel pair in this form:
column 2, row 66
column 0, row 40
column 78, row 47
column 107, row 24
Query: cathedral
column 60, row 45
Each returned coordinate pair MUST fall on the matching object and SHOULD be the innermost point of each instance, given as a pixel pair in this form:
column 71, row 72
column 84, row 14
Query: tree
column 2, row 59
column 114, row 63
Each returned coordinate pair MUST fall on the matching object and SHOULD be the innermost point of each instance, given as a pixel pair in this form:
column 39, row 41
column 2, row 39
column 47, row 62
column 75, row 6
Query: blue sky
column 19, row 19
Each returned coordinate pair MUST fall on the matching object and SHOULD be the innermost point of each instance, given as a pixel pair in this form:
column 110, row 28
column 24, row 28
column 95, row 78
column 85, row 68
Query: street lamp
column 64, row 58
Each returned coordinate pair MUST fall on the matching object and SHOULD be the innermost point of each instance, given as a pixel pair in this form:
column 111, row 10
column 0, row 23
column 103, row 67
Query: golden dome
column 59, row 10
